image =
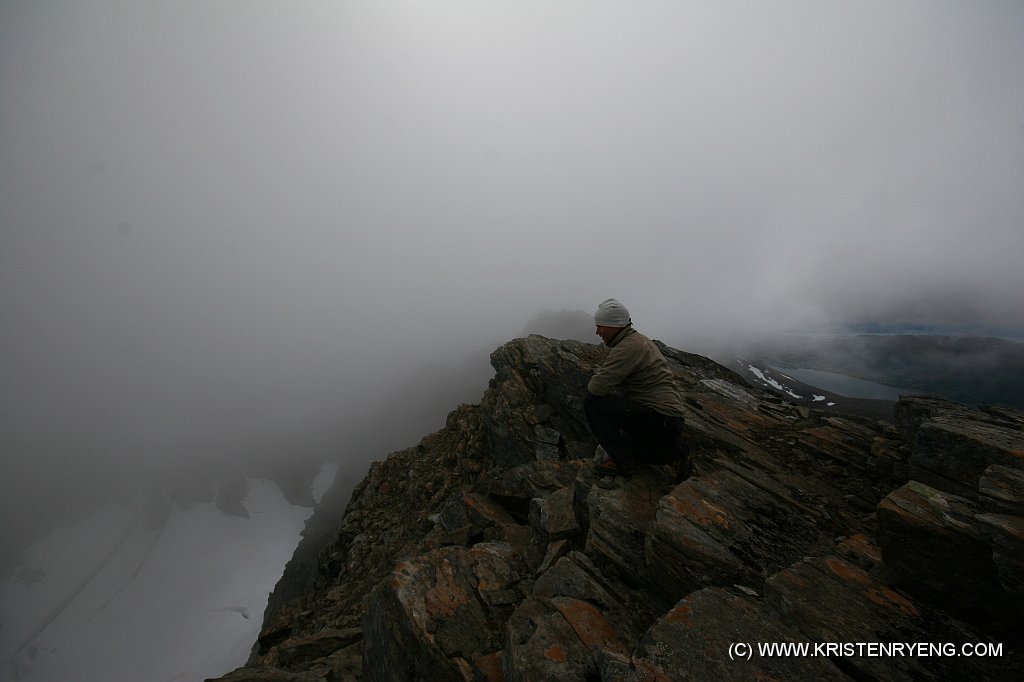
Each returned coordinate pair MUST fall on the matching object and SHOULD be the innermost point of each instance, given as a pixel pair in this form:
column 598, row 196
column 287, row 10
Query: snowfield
column 114, row 600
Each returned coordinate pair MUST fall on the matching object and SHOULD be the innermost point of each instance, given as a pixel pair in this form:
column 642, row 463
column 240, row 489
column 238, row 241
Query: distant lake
column 844, row 385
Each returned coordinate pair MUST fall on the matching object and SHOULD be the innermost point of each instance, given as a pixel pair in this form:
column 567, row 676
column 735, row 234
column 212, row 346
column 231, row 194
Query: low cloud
column 228, row 229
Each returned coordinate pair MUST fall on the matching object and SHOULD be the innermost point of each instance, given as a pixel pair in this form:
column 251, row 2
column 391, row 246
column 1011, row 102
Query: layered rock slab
column 436, row 617
column 697, row 638
column 720, row 529
column 829, row 600
column 941, row 546
column 953, row 445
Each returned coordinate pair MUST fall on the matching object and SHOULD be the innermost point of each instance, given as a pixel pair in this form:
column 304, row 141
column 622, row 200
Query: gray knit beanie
column 611, row 313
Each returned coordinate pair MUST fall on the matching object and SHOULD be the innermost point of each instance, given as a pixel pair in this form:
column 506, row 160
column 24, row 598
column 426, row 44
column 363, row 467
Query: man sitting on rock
column 633, row 405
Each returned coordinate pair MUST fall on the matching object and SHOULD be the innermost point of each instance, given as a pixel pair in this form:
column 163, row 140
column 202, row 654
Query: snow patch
column 772, row 382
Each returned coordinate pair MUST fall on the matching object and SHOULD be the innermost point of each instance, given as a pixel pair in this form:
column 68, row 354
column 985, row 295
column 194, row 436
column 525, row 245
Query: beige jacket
column 637, row 370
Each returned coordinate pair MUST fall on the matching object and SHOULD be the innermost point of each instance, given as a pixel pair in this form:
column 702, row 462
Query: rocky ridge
column 491, row 552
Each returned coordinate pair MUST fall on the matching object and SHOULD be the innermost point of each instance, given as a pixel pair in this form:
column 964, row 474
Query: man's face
column 607, row 333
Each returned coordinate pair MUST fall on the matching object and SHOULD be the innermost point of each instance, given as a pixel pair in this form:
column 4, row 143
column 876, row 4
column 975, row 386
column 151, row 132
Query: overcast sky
column 223, row 218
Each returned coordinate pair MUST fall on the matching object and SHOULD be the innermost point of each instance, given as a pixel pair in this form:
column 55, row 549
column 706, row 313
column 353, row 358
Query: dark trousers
column 631, row 432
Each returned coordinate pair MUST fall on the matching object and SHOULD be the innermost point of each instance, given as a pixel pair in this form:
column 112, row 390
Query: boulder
column 538, row 383
column 438, row 614
column 831, row 600
column 1006, row 537
column 618, row 520
column 695, row 641
column 828, row 600
column 953, row 445
column 555, row 516
column 721, row 529
column 542, row 645
column 574, row 610
column 934, row 543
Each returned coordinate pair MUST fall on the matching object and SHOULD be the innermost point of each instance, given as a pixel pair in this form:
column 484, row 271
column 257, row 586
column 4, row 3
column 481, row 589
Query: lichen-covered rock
column 574, row 610
column 438, row 614
column 830, row 600
column 695, row 641
column 953, row 445
column 491, row 551
column 319, row 645
column 474, row 510
column 539, row 383
column 555, row 515
column 938, row 548
column 720, row 529
column 627, row 609
column 619, row 518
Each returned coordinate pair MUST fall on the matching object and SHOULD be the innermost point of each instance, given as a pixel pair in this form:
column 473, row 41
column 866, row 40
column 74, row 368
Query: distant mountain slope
column 759, row 373
column 971, row 370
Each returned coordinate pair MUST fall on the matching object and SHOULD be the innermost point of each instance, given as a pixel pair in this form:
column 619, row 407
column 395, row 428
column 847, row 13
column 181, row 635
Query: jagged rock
column 438, row 614
column 692, row 642
column 576, row 576
column 473, row 510
column 953, row 445
column 830, row 600
column 319, row 645
column 722, row 530
column 516, row 488
column 490, row 551
column 1001, row 490
column 534, row 377
column 1006, row 537
column 618, row 521
column 860, row 551
column 542, row 645
column 937, row 547
column 840, row 439
column 573, row 608
column 555, row 515
column 555, row 551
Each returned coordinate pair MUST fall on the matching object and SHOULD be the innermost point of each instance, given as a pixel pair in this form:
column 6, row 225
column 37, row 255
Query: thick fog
column 232, row 229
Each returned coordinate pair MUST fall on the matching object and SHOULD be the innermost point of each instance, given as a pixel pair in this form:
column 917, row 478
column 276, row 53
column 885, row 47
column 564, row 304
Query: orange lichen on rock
column 848, row 571
column 887, row 597
column 680, row 614
column 699, row 511
column 589, row 624
column 555, row 653
column 444, row 600
column 490, row 666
